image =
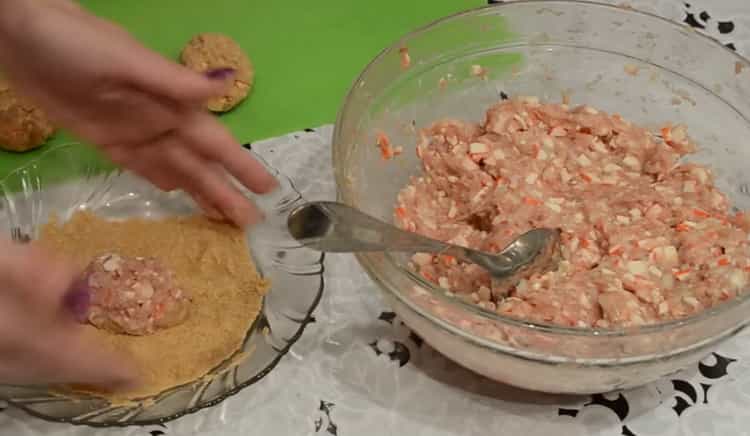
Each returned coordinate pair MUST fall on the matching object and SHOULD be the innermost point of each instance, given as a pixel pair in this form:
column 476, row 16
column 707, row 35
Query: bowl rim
column 364, row 259
column 302, row 324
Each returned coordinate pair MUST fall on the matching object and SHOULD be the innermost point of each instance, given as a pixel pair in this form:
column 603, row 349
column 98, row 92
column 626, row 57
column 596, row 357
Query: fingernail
column 220, row 73
column 78, row 299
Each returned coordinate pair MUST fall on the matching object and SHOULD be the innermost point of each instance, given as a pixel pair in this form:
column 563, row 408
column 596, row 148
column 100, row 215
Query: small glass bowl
column 69, row 178
column 648, row 69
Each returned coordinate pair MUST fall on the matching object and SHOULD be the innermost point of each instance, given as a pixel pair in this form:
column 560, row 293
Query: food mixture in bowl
column 646, row 237
column 176, row 295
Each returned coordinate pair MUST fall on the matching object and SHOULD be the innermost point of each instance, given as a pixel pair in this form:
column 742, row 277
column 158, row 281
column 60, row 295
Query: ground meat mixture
column 646, row 238
column 134, row 295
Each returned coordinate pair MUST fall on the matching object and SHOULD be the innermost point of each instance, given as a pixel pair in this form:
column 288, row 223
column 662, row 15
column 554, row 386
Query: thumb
column 35, row 275
column 160, row 76
column 80, row 359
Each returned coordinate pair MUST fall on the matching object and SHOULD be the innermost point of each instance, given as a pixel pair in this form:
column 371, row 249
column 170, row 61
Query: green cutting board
column 306, row 53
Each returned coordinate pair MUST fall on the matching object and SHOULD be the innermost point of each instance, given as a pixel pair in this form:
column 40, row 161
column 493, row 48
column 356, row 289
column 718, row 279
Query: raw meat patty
column 135, row 296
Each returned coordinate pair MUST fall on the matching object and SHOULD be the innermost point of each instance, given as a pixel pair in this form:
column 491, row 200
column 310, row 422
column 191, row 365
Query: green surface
column 306, row 53
column 61, row 164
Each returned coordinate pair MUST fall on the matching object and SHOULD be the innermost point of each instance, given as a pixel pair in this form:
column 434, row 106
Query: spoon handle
column 343, row 229
column 338, row 228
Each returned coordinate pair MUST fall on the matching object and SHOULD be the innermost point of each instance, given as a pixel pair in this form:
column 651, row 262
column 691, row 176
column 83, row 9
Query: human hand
column 41, row 340
column 144, row 111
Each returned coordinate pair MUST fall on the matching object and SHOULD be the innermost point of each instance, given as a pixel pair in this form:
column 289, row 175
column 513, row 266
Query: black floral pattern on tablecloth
column 703, row 20
column 397, row 350
column 323, row 423
column 687, row 394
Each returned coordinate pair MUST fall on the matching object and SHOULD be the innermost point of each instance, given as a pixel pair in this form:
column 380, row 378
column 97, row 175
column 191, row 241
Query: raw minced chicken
column 645, row 239
column 134, row 295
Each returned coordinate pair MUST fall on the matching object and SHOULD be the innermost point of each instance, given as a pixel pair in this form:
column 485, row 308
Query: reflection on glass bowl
column 645, row 68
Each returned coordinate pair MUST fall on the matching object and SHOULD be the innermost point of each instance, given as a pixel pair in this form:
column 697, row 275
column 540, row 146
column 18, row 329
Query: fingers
column 160, row 76
column 169, row 165
column 210, row 187
column 145, row 161
column 208, row 209
column 214, row 142
column 40, row 339
column 79, row 358
column 62, row 354
column 36, row 276
column 131, row 117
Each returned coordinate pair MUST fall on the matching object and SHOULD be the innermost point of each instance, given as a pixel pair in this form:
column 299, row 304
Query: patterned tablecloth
column 359, row 371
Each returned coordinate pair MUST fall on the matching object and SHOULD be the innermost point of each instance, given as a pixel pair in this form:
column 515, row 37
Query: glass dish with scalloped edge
column 648, row 69
column 69, row 178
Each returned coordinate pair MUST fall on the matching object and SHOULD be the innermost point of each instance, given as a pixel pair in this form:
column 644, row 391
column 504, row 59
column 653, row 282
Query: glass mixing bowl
column 69, row 178
column 649, row 70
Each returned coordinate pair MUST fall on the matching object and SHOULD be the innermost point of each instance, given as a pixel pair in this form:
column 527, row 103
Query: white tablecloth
column 358, row 371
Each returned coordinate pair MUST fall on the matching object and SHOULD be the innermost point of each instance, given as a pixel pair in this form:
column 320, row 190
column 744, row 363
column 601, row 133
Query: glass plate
column 64, row 180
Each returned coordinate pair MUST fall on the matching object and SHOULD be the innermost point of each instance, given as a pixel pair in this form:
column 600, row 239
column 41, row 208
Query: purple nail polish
column 220, row 73
column 78, row 299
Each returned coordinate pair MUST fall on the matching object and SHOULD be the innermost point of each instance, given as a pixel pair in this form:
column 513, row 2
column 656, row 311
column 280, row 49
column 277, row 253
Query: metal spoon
column 338, row 228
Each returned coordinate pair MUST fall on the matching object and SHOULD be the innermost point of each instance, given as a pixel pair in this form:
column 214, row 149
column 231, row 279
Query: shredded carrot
column 531, row 201
column 383, row 139
column 682, row 227
column 585, row 177
column 617, row 250
column 428, row 276
column 701, row 213
column 400, row 212
column 535, row 150
column 405, row 58
column 448, row 259
column 583, row 242
column 666, row 133
column 386, row 151
column 682, row 273
column 723, row 261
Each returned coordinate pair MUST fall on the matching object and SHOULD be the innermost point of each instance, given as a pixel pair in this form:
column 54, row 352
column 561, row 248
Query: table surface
column 357, row 370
